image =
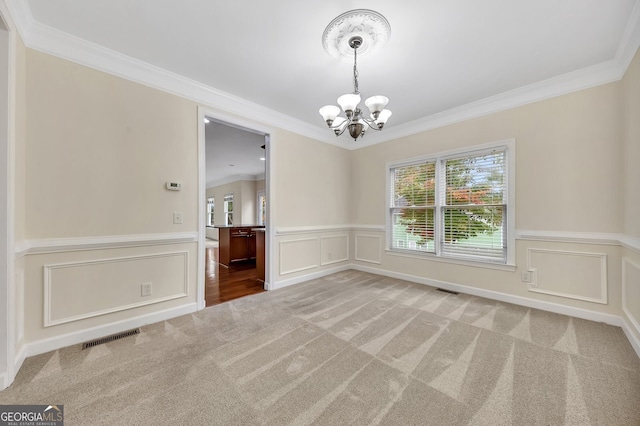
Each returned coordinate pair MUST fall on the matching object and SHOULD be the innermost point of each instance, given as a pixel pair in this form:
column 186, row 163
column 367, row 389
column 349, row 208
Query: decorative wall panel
column 299, row 255
column 575, row 275
column 368, row 248
column 78, row 290
column 334, row 249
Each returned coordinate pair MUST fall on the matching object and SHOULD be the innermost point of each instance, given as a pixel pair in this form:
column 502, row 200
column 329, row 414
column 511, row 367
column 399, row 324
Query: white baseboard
column 6, row 378
column 631, row 335
column 57, row 342
column 308, row 277
column 489, row 294
column 494, row 295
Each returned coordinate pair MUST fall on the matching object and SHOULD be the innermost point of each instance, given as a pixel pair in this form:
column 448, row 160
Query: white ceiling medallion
column 367, row 31
column 372, row 27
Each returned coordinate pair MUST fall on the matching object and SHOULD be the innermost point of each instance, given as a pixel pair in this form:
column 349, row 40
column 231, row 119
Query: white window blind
column 451, row 206
column 413, row 207
column 228, row 209
column 474, row 206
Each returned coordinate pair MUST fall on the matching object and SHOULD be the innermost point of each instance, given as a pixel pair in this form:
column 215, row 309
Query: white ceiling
column 446, row 60
column 232, row 154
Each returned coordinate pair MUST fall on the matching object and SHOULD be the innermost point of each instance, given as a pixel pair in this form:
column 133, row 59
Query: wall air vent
column 90, row 344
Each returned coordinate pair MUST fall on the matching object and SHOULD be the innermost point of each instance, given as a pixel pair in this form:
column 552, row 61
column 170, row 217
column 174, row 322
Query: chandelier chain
column 365, row 36
column 355, row 70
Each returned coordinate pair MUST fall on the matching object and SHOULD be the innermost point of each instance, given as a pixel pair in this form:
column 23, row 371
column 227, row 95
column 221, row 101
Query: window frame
column 509, row 147
column 211, row 211
column 261, row 210
column 228, row 212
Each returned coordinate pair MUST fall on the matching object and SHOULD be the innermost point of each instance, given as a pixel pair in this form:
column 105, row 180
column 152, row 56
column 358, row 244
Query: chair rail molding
column 54, row 245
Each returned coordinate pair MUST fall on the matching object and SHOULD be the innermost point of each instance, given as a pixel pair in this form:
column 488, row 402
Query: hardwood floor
column 224, row 284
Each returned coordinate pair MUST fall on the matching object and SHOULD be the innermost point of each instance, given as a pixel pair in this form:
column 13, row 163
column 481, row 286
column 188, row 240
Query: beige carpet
column 351, row 348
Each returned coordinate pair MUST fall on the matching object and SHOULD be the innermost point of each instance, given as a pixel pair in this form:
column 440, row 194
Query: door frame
column 9, row 364
column 253, row 127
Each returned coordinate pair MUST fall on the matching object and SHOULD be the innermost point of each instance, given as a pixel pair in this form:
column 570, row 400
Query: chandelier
column 368, row 31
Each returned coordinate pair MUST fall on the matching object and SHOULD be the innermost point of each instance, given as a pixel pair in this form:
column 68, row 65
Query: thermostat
column 174, row 186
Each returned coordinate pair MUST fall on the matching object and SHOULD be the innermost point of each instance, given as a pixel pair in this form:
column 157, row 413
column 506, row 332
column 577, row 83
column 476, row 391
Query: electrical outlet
column 177, row 218
column 145, row 289
column 527, row 276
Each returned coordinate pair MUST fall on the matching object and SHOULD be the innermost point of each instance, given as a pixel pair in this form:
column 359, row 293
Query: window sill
column 434, row 258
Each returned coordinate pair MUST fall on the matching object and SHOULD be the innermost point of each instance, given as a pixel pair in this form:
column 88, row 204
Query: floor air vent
column 92, row 343
column 447, row 291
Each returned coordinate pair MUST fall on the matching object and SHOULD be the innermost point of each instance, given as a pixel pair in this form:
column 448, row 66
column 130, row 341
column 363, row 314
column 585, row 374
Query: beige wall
column 567, row 151
column 100, row 150
column 244, row 194
column 312, row 205
column 313, row 182
column 631, row 152
column 248, row 202
column 20, row 143
column 631, row 190
column 244, row 204
column 568, row 179
column 20, row 191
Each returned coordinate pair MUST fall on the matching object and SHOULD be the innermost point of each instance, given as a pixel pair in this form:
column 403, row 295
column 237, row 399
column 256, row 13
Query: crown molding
column 585, row 78
column 49, row 40
column 595, row 75
column 57, row 43
column 235, row 178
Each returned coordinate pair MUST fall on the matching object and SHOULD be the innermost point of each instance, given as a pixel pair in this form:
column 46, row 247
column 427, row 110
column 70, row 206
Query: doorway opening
column 235, row 246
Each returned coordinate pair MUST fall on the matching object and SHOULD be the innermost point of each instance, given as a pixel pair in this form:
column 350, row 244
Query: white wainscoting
column 631, row 292
column 299, row 255
column 368, row 248
column 19, row 325
column 334, row 249
column 84, row 289
column 311, row 249
column 570, row 274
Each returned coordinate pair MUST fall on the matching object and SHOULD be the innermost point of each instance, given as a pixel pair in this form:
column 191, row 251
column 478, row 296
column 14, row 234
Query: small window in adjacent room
column 210, row 211
column 228, row 209
column 262, row 208
column 454, row 205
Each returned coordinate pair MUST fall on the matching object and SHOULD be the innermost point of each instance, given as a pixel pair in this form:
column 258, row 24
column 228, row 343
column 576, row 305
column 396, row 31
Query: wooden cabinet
column 237, row 243
column 260, row 260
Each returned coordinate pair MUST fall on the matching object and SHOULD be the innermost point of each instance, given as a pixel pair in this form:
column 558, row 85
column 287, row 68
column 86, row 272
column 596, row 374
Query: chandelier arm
column 370, row 122
column 341, row 127
column 342, row 131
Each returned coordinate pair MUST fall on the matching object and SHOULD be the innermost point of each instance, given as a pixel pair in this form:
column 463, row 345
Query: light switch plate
column 177, row 218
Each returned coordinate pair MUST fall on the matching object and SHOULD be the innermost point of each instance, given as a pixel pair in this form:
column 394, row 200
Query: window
column 210, row 211
column 262, row 208
column 228, row 209
column 453, row 205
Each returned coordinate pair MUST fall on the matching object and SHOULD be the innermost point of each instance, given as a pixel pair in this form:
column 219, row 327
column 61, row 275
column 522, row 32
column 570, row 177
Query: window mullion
column 439, row 199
